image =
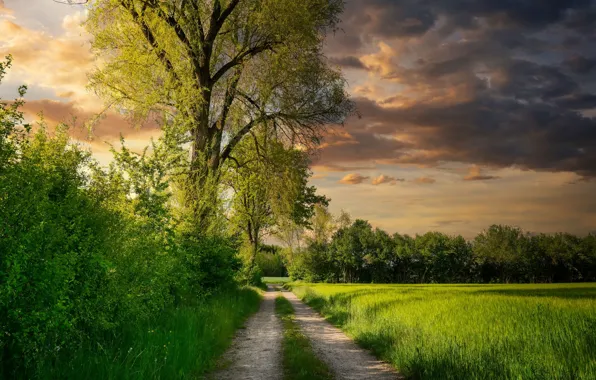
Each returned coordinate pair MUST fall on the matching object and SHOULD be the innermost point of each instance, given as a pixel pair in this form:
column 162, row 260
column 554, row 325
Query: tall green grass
column 469, row 332
column 183, row 343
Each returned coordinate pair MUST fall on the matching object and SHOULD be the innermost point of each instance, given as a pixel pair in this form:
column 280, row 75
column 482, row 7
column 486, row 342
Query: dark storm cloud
column 529, row 80
column 349, row 62
column 486, row 82
column 489, row 130
column 580, row 64
column 408, row 18
column 578, row 101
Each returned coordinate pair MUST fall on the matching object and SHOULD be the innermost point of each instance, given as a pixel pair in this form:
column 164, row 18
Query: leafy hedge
column 84, row 250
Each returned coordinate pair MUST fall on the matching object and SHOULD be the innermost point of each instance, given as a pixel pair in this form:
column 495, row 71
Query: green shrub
column 209, row 262
column 87, row 252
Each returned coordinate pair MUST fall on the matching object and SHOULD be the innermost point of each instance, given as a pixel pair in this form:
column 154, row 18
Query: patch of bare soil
column 345, row 359
column 256, row 350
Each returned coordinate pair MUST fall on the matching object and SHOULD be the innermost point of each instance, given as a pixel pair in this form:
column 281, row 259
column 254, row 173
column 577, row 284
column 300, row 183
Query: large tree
column 215, row 69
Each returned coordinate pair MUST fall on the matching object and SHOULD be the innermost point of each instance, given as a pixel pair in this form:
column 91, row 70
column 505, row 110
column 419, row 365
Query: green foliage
column 276, row 280
column 217, row 71
column 210, row 263
column 251, row 275
column 468, row 331
column 501, row 254
column 257, row 210
column 181, row 343
column 271, row 263
column 88, row 252
column 299, row 360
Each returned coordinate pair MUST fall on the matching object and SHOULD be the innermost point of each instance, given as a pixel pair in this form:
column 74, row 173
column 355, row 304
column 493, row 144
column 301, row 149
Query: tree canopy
column 215, row 70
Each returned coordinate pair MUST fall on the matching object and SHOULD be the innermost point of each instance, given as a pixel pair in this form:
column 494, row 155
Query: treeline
column 500, row 254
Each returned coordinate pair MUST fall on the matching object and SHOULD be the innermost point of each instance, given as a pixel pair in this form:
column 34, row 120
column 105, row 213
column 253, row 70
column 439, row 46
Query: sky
column 471, row 112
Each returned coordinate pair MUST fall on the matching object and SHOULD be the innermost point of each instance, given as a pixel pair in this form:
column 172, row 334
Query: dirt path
column 256, row 350
column 342, row 355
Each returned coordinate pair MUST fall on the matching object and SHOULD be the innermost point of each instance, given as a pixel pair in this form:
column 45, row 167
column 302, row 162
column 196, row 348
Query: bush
column 208, row 263
column 87, row 252
column 251, row 275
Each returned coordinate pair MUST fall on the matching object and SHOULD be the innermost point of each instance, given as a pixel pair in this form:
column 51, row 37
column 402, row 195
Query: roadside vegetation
column 468, row 331
column 182, row 343
column 299, row 360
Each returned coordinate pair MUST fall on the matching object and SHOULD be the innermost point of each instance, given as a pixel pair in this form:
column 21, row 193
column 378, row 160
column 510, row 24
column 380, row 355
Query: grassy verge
column 182, row 344
column 469, row 331
column 299, row 360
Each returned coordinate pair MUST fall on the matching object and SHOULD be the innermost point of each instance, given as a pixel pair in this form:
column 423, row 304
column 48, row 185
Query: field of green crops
column 275, row 280
column 468, row 331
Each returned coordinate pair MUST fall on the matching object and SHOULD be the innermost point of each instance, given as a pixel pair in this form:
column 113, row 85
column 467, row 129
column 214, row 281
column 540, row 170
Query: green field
column 276, row 280
column 468, row 331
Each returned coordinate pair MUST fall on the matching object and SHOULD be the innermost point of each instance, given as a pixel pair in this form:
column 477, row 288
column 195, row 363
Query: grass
column 299, row 360
column 276, row 280
column 183, row 344
column 468, row 331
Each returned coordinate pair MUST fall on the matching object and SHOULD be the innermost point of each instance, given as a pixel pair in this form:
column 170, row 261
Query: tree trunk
column 255, row 249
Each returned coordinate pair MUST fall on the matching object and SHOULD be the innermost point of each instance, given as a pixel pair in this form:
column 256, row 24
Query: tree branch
column 228, row 100
column 218, row 18
column 239, row 59
column 173, row 23
column 241, row 133
column 161, row 54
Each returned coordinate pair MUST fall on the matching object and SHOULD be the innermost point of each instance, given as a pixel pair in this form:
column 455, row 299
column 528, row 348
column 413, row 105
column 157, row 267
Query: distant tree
column 404, row 251
column 349, row 247
column 270, row 190
column 380, row 261
column 321, row 224
column 343, row 220
column 499, row 251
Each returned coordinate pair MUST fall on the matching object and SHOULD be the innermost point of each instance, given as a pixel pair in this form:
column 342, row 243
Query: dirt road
column 256, row 351
column 345, row 359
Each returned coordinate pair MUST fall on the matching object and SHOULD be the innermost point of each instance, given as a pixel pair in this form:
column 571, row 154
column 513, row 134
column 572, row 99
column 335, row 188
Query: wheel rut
column 345, row 359
column 255, row 353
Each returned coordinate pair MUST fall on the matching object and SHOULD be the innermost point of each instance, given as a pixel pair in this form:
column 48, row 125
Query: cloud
column 339, row 168
column 59, row 63
column 386, row 179
column 349, row 61
column 108, row 127
column 382, row 61
column 449, row 222
column 580, row 64
column 353, row 179
column 475, row 174
column 4, row 10
column 424, row 181
column 481, row 82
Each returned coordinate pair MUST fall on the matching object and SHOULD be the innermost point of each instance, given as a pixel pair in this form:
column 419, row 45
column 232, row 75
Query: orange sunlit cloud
column 353, row 179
